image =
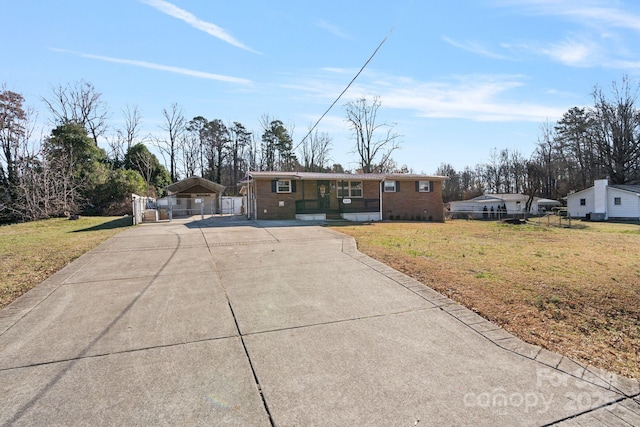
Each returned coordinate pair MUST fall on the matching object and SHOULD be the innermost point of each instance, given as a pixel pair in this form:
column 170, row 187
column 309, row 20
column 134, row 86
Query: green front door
column 324, row 195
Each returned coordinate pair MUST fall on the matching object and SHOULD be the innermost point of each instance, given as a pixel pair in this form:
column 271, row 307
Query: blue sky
column 458, row 78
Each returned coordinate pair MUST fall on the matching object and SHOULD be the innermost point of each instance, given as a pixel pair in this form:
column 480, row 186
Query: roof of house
column 341, row 176
column 508, row 197
column 626, row 187
column 632, row 188
column 194, row 181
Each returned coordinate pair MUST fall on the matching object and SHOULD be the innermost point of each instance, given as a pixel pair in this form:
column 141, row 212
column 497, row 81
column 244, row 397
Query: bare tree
column 175, row 126
column 79, row 103
column 132, row 124
column 618, row 122
column 451, row 188
column 191, row 158
column 252, row 154
column 375, row 142
column 13, row 130
column 140, row 159
column 239, row 139
column 127, row 136
column 46, row 185
column 16, row 129
column 315, row 151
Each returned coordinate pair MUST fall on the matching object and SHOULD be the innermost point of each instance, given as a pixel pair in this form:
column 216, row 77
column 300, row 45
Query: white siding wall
column 573, row 203
column 629, row 204
column 600, row 196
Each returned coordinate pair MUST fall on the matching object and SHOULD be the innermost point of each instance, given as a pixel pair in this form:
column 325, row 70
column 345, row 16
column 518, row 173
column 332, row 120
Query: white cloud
column 585, row 12
column 474, row 47
column 208, row 27
column 606, row 37
column 570, row 51
column 333, row 29
column 160, row 67
column 482, row 98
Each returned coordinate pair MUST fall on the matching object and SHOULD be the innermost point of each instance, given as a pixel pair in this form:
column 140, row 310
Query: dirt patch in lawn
column 575, row 291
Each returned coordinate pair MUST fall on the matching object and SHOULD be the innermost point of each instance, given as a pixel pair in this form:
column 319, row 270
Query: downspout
column 381, row 188
column 254, row 194
column 250, row 202
column 303, row 203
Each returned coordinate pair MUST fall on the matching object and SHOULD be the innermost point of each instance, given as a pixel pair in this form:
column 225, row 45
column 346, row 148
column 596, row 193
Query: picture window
column 348, row 189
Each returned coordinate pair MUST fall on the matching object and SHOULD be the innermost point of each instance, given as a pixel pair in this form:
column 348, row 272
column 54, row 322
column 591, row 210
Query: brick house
column 354, row 197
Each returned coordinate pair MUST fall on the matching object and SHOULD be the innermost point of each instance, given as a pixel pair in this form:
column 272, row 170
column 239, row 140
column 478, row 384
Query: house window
column 283, row 186
column 347, row 189
column 424, row 186
column 389, row 186
column 583, row 202
column 617, row 201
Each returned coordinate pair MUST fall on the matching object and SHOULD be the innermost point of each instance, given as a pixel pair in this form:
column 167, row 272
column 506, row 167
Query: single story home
column 354, row 197
column 499, row 205
column 604, row 201
column 191, row 196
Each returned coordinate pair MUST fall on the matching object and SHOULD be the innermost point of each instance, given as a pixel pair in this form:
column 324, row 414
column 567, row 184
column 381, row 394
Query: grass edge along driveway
column 575, row 291
column 32, row 251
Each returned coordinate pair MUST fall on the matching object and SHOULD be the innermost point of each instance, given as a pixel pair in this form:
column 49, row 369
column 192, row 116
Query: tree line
column 587, row 143
column 62, row 169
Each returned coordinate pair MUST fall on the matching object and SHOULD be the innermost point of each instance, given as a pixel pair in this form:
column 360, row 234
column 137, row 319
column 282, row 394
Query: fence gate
column 231, row 205
column 141, row 205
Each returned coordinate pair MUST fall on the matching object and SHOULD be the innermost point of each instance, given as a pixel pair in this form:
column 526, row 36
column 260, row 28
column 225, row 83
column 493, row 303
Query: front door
column 323, row 195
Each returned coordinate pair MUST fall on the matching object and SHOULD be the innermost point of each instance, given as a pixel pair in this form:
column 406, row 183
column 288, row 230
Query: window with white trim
column 617, row 201
column 424, row 186
column 583, row 202
column 390, row 187
column 283, row 186
column 349, row 189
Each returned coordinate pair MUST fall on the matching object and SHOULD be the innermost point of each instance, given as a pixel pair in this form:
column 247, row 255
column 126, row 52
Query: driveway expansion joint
column 333, row 322
column 113, row 353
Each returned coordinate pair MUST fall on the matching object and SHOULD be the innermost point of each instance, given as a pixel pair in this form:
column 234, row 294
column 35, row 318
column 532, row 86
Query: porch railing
column 360, row 205
column 313, row 206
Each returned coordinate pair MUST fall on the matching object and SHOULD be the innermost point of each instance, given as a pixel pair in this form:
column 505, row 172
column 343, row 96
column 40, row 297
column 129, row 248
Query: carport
column 191, row 196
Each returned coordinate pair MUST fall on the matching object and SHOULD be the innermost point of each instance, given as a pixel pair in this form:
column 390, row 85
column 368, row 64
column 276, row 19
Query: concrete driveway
column 236, row 322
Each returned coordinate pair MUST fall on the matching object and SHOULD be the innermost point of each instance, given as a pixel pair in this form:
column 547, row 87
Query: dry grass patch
column 574, row 291
column 31, row 252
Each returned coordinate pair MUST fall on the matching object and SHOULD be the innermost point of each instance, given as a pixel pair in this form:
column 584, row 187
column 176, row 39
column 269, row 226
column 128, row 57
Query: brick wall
column 270, row 201
column 409, row 204
column 405, row 204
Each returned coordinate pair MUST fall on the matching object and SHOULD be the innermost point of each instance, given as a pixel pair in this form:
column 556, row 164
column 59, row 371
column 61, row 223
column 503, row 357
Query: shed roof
column 194, row 181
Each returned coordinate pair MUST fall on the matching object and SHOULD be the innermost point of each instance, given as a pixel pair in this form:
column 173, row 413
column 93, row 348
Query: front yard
column 574, row 290
column 32, row 251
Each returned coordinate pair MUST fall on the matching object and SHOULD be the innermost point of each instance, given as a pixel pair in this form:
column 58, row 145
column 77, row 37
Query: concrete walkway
column 247, row 323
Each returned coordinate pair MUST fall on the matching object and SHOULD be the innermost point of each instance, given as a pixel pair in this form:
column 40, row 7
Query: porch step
column 333, row 215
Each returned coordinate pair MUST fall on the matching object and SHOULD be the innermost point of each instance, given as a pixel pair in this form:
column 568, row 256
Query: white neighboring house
column 499, row 205
column 603, row 201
